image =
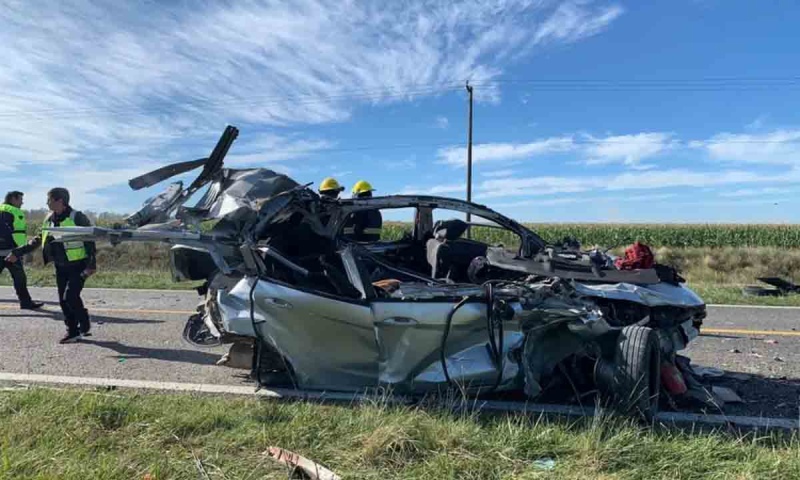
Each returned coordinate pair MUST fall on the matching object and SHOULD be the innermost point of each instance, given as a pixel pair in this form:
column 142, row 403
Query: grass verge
column 128, row 279
column 83, row 434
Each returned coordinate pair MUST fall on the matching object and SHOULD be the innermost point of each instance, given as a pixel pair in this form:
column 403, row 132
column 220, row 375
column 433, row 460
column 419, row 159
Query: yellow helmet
column 330, row 184
column 362, row 186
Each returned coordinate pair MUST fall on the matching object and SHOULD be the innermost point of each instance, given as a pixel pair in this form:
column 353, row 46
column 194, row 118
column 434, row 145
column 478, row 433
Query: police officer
column 13, row 234
column 74, row 262
column 330, row 188
column 366, row 225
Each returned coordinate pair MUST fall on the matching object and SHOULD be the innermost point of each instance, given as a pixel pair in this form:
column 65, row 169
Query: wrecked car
column 434, row 309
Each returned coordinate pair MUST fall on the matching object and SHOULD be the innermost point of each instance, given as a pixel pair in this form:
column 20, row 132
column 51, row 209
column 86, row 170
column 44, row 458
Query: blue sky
column 684, row 111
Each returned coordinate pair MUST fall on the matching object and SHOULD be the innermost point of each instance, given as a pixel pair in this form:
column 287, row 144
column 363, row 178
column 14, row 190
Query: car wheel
column 638, row 373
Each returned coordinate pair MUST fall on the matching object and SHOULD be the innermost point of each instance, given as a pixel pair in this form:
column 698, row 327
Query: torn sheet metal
column 656, row 295
column 423, row 291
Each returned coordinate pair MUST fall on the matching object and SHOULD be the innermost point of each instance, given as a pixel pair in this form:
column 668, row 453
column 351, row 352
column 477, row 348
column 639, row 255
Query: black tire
column 638, row 372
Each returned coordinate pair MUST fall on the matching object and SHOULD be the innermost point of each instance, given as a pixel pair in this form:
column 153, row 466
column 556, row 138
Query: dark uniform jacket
column 364, row 226
column 6, row 231
column 54, row 251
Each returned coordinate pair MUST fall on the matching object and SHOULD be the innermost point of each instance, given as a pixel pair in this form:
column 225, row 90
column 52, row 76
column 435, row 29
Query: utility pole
column 469, row 159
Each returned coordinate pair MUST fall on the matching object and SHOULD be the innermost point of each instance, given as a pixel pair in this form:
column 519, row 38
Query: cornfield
column 656, row 235
column 606, row 235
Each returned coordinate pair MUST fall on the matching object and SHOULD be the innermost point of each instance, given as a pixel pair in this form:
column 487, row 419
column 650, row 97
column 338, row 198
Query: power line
column 254, row 101
column 387, row 93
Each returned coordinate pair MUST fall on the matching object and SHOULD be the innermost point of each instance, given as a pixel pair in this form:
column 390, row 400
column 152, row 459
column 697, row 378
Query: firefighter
column 13, row 234
column 330, row 188
column 74, row 262
column 366, row 225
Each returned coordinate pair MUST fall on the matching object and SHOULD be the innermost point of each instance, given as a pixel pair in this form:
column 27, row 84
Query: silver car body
column 362, row 335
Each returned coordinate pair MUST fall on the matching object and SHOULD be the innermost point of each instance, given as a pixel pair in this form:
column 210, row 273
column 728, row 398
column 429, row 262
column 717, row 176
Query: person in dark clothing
column 13, row 234
column 366, row 225
column 74, row 262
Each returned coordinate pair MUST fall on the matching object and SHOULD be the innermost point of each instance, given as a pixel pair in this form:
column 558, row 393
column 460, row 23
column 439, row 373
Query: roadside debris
column 734, row 350
column 771, row 341
column 545, row 464
column 725, row 394
column 781, row 286
column 311, row 469
column 707, row 371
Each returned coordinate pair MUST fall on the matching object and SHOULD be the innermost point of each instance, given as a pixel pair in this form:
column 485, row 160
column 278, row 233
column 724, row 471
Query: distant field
column 656, row 235
column 608, row 235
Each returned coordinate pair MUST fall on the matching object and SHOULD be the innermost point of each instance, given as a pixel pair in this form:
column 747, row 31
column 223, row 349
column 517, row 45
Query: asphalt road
column 137, row 336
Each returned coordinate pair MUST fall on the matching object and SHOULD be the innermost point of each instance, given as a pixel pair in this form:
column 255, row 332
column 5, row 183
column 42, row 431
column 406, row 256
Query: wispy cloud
column 498, row 173
column 112, row 82
column 780, row 147
column 627, row 149
column 442, row 122
column 673, row 178
column 579, row 199
column 503, row 152
column 757, row 192
column 270, row 149
column 448, row 190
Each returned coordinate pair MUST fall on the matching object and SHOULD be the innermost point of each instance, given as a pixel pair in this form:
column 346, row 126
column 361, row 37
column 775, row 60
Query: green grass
column 130, row 279
column 83, row 434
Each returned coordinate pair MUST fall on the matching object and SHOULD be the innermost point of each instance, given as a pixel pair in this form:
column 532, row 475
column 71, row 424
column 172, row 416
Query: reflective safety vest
column 20, row 234
column 76, row 251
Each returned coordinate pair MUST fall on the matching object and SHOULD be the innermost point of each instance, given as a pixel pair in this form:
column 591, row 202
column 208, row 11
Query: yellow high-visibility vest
column 20, row 233
column 76, row 251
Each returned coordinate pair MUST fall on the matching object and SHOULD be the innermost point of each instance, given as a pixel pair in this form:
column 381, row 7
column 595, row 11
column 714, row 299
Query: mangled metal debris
column 432, row 310
column 781, row 288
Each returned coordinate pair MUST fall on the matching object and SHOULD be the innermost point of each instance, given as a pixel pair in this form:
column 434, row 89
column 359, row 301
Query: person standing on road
column 13, row 234
column 74, row 262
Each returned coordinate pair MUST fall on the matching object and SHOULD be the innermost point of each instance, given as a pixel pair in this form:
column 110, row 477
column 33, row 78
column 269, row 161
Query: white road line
column 521, row 407
column 756, row 307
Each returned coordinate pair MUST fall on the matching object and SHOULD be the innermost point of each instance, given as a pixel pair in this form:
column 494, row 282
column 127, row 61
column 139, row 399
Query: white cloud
column 439, row 190
column 584, row 200
column 757, row 192
column 405, row 164
column 268, row 149
column 674, row 178
column 498, row 173
column 502, row 152
column 572, row 21
column 116, row 83
column 780, row 147
column 442, row 122
column 627, row 149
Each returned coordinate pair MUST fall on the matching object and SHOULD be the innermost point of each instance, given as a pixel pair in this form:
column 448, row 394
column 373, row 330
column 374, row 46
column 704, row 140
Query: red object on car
column 672, row 378
column 637, row 256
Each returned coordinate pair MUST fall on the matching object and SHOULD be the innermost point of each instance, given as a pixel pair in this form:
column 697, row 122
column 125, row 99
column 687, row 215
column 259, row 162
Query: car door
column 329, row 341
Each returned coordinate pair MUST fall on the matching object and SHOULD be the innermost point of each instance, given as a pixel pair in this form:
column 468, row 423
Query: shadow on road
column 96, row 319
column 15, row 302
column 166, row 354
